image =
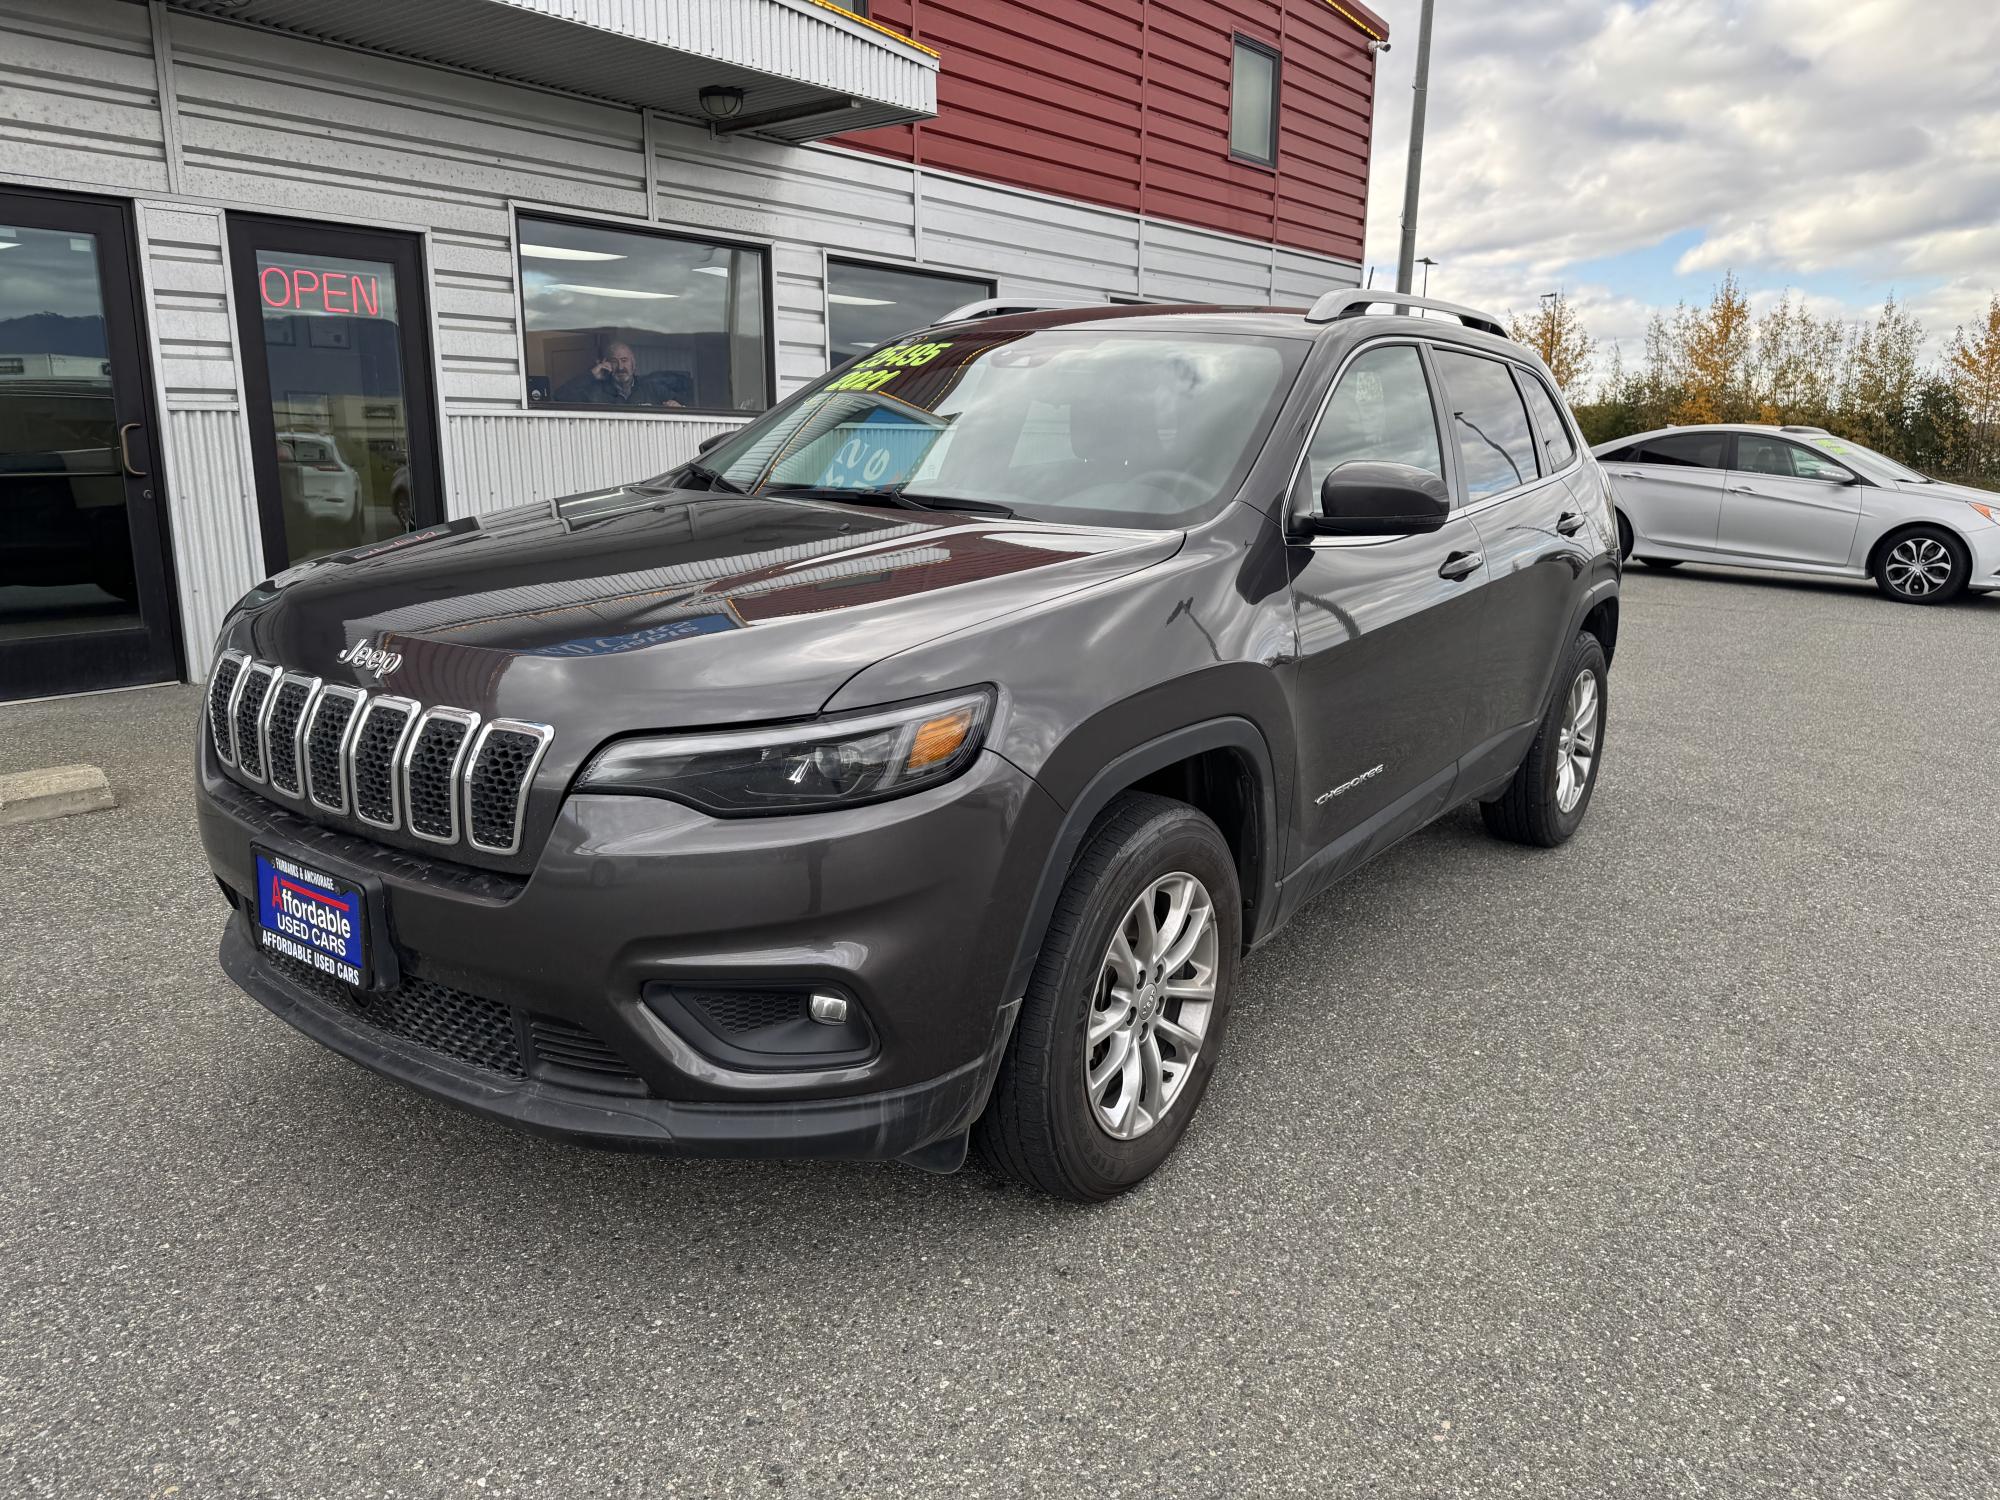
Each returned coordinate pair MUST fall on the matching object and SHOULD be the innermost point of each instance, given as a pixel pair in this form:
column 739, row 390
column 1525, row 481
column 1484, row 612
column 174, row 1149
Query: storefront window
column 624, row 319
column 869, row 305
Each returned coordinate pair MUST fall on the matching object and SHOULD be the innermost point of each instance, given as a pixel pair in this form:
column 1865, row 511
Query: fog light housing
column 765, row 1027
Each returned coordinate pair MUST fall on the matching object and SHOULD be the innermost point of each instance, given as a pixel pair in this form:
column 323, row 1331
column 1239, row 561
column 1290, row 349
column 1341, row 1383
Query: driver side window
column 1381, row 412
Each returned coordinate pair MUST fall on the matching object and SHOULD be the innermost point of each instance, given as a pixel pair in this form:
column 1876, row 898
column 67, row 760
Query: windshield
column 1095, row 425
column 1841, row 448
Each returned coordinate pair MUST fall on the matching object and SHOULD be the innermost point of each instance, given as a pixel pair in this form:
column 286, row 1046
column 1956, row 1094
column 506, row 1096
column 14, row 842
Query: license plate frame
column 312, row 916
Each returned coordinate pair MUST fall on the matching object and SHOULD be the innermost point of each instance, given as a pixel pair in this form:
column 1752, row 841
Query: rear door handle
column 1461, row 565
column 1570, row 523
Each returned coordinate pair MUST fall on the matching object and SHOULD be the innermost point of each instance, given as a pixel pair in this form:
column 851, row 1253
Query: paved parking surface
column 1661, row 1165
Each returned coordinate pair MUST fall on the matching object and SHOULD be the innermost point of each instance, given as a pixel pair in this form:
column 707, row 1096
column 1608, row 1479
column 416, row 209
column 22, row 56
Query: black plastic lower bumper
column 879, row 1126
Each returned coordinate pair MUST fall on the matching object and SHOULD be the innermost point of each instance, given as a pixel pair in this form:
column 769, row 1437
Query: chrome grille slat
column 222, row 680
column 444, row 774
column 430, row 768
column 380, row 730
column 246, row 712
column 328, row 734
column 498, row 779
column 282, row 732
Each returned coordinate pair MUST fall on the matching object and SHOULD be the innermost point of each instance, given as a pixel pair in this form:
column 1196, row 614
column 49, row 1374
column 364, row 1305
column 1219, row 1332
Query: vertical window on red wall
column 1253, row 103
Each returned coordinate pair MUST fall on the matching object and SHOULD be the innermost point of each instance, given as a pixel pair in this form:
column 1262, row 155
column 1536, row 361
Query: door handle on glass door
column 1569, row 523
column 1460, row 565
column 125, row 449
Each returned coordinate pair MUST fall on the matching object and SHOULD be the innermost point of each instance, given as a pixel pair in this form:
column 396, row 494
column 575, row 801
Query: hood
column 632, row 610
column 1966, row 493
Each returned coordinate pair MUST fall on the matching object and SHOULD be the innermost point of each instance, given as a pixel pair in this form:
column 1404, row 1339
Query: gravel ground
column 1660, row 1165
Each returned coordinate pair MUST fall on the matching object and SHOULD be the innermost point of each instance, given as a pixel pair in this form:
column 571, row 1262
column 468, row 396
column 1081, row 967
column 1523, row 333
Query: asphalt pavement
column 1660, row 1165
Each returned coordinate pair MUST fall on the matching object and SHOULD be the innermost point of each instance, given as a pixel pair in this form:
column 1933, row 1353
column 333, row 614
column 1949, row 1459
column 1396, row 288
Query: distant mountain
column 52, row 333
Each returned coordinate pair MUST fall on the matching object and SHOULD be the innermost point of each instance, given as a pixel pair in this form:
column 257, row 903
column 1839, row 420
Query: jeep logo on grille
column 371, row 658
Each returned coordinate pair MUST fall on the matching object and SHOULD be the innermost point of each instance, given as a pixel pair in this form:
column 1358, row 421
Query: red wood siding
column 1126, row 103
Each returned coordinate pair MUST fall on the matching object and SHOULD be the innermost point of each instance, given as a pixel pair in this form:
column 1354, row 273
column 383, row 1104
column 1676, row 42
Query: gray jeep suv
column 915, row 768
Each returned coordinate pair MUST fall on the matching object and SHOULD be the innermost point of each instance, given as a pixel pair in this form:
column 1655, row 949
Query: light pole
column 1406, row 262
column 1426, row 262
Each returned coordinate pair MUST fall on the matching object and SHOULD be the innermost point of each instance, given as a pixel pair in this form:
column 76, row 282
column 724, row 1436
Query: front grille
column 738, row 1011
column 250, row 695
column 221, row 685
column 281, row 733
column 502, row 763
column 430, row 781
column 385, row 723
column 388, row 761
column 326, row 746
column 468, row 1028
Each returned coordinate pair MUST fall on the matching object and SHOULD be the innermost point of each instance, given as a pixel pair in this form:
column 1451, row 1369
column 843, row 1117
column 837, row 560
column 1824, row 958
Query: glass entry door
column 336, row 357
column 85, row 596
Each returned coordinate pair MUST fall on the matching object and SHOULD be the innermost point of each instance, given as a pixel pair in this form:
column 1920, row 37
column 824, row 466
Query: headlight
column 840, row 762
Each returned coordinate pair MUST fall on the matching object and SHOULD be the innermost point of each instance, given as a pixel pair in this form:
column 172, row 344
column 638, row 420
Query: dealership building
column 280, row 277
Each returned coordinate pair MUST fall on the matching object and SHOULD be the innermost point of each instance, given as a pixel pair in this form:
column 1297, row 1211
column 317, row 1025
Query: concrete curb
column 56, row 792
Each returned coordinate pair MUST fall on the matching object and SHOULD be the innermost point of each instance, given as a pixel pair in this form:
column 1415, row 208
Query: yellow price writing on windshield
column 884, row 365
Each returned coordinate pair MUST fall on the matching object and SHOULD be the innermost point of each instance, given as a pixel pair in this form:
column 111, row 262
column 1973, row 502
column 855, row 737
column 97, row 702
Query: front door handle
column 1570, row 523
column 1460, row 565
column 125, row 449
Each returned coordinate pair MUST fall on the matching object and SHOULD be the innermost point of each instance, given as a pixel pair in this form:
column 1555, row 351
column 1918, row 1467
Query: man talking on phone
column 615, row 381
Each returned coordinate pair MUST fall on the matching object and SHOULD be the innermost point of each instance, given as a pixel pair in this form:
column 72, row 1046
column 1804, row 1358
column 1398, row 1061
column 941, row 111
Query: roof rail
column 1816, row 431
column 997, row 307
column 1352, row 302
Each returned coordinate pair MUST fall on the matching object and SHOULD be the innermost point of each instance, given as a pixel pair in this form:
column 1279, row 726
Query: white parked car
column 1801, row 500
column 327, row 487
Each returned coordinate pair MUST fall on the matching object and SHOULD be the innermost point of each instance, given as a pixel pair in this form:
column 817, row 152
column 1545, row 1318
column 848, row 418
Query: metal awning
column 807, row 68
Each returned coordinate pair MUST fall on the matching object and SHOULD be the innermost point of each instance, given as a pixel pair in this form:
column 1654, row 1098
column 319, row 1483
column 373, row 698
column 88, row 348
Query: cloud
column 1845, row 142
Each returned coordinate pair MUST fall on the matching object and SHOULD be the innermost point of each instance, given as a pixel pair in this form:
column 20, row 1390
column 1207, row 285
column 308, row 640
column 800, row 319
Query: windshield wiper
column 899, row 498
column 717, row 480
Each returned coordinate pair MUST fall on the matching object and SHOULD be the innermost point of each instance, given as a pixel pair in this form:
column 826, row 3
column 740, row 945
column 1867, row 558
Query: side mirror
column 709, row 442
column 1377, row 499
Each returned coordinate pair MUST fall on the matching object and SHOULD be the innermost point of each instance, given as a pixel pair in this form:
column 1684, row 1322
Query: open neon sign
column 309, row 290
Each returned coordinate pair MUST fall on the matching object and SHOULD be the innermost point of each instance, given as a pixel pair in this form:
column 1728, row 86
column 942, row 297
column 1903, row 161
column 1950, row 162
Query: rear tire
column 1550, row 793
column 1923, row 565
column 1661, row 562
column 1624, row 538
column 1049, row 1124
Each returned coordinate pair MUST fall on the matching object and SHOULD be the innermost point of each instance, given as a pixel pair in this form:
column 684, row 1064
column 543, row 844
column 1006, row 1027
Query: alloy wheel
column 1576, row 746
column 1918, row 566
column 1154, row 998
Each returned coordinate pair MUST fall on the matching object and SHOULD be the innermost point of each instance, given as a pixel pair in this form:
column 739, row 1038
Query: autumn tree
column 1556, row 332
column 1712, row 356
column 1795, row 375
column 1879, row 387
column 1972, row 365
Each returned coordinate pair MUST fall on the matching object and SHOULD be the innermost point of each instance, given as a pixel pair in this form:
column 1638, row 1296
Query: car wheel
column 1925, row 565
column 1661, row 562
column 1550, row 792
column 1624, row 538
column 1121, row 1024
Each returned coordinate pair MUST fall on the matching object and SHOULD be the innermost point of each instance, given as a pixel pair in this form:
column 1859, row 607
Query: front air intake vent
column 221, row 692
column 378, row 740
column 247, row 713
column 496, row 783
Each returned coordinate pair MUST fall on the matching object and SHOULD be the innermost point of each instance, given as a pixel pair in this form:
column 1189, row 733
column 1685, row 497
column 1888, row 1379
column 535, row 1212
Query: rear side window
column 1380, row 413
column 1683, row 450
column 1548, row 421
column 1496, row 453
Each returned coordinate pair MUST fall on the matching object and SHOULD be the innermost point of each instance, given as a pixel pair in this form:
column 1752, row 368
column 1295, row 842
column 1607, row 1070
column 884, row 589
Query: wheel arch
column 1223, row 768
column 1901, row 529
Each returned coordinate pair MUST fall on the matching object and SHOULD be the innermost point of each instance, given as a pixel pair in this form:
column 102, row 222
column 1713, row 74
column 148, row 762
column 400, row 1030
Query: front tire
column 1123, row 1019
column 1924, row 565
column 1545, row 802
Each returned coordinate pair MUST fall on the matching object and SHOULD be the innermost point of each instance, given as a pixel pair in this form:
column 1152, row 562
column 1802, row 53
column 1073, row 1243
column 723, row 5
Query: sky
column 1631, row 153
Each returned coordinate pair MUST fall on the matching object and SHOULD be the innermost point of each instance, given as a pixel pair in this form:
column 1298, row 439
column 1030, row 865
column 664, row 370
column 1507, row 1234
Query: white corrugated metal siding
column 275, row 123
